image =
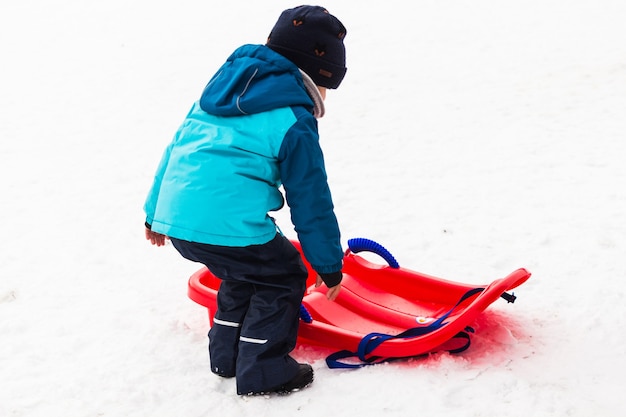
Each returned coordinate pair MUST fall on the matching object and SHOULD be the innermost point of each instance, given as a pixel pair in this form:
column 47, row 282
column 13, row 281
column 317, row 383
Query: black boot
column 303, row 378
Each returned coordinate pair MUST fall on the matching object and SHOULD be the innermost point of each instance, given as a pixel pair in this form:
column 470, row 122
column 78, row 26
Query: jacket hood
column 254, row 79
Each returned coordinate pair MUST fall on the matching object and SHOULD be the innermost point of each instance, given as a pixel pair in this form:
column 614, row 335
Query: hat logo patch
column 326, row 73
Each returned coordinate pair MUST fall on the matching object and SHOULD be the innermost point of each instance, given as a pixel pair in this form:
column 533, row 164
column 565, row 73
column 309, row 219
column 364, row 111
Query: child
column 253, row 130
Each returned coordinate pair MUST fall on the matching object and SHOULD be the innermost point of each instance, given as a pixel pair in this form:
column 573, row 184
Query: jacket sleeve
column 153, row 195
column 304, row 179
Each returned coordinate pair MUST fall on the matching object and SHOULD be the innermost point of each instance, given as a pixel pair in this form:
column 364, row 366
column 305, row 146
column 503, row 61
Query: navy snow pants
column 258, row 306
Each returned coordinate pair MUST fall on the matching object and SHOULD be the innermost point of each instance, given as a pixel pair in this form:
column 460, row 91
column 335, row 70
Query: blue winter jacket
column 251, row 131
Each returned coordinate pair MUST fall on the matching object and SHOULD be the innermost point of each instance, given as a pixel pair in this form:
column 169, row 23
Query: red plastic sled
column 380, row 302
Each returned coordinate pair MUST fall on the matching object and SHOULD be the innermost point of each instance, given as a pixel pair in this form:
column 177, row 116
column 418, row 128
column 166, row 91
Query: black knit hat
column 312, row 38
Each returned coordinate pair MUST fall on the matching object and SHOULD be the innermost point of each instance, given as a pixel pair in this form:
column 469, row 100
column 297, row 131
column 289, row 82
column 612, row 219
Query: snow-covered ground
column 470, row 138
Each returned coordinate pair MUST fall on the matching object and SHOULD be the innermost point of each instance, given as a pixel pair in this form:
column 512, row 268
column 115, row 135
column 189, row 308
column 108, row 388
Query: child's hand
column 332, row 292
column 155, row 238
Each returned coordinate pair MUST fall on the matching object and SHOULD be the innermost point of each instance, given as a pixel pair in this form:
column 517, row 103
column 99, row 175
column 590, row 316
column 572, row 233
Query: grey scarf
column 314, row 93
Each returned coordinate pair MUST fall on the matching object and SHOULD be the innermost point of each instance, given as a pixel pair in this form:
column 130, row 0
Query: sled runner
column 382, row 311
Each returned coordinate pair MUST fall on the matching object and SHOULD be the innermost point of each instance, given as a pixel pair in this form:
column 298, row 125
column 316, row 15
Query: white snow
column 470, row 138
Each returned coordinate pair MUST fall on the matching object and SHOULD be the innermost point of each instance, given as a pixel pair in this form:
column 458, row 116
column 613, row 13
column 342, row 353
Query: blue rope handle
column 370, row 342
column 360, row 244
